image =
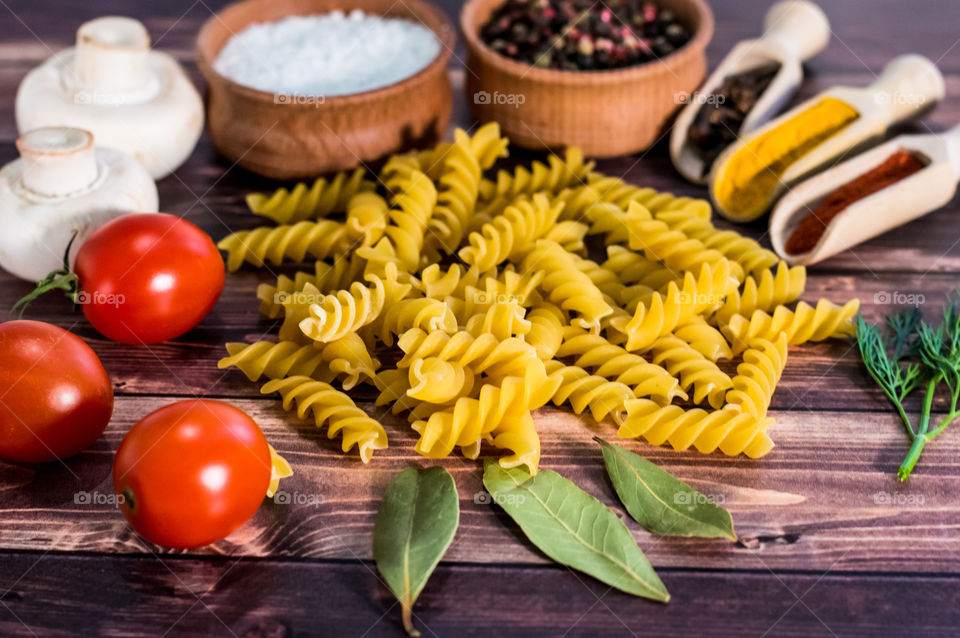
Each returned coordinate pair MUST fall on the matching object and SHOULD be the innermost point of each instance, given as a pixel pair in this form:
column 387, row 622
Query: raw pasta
column 310, row 202
column 531, row 316
column 511, row 234
column 757, row 376
column 662, row 313
column 552, row 177
column 332, row 408
column 695, row 371
column 772, row 290
column 464, row 164
column 274, row 245
column 566, row 285
column 747, row 252
column 807, row 323
column 730, row 431
column 366, row 218
column 614, row 363
column 583, row 391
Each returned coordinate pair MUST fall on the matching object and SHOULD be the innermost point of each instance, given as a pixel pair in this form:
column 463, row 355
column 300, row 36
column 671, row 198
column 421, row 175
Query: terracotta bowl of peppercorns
column 604, row 76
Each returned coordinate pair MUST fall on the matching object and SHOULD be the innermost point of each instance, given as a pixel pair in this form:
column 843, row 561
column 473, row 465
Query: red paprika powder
column 808, row 232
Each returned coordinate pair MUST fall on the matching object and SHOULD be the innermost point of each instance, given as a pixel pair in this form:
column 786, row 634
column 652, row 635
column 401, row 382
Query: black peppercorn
column 720, row 117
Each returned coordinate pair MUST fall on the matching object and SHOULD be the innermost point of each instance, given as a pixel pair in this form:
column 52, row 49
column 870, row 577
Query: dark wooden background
column 830, row 543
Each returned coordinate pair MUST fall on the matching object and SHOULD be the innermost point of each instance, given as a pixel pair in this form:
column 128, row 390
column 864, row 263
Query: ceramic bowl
column 287, row 137
column 605, row 113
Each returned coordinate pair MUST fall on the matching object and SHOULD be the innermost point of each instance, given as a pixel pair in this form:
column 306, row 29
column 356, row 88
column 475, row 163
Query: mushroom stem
column 111, row 55
column 57, row 161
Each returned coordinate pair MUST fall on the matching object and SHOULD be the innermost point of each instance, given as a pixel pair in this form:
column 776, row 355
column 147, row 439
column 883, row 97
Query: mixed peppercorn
column 583, row 35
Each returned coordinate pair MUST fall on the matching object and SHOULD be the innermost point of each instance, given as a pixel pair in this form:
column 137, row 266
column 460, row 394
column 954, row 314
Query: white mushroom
column 62, row 184
column 112, row 84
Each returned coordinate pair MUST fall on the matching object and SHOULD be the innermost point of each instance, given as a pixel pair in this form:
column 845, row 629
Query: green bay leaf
column 417, row 521
column 573, row 528
column 660, row 502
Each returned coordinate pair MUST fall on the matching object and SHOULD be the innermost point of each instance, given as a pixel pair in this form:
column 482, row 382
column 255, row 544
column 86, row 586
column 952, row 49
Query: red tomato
column 191, row 472
column 148, row 278
column 55, row 396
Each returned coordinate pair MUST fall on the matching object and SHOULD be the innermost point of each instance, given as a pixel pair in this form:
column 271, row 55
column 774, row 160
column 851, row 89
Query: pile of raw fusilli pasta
column 488, row 290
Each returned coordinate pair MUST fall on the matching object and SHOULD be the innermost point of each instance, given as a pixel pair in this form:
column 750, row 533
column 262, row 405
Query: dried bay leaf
column 660, row 502
column 573, row 528
column 415, row 525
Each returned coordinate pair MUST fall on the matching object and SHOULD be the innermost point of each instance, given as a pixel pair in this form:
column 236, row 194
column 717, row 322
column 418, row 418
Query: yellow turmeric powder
column 748, row 179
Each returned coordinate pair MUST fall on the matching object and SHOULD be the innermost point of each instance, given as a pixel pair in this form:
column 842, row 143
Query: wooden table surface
column 830, row 542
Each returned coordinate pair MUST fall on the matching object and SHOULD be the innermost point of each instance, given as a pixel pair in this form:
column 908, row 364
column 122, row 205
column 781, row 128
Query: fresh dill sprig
column 919, row 354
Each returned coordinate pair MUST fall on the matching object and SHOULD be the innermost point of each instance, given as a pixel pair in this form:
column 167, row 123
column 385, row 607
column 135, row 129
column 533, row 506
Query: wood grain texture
column 821, row 519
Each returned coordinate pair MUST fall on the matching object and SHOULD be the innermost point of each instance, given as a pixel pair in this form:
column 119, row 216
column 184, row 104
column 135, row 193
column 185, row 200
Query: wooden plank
column 141, row 596
column 826, row 497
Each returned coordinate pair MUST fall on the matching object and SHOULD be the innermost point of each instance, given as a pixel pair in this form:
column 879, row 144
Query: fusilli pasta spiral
column 310, row 202
column 695, row 371
column 366, row 218
column 729, row 431
column 658, row 317
column 325, row 278
column 566, row 286
column 758, row 375
column 336, row 315
column 583, row 390
column 546, row 329
column 747, row 252
column 805, row 323
column 333, row 408
column 274, row 245
column 437, row 381
column 677, row 251
column 460, row 183
column 612, row 362
column 551, row 177
column 511, row 234
column 772, row 290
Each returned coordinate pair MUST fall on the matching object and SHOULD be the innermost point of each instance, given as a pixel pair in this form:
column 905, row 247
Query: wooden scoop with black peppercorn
column 752, row 84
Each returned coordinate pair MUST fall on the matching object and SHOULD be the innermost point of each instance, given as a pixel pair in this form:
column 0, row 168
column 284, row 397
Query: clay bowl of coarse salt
column 302, row 87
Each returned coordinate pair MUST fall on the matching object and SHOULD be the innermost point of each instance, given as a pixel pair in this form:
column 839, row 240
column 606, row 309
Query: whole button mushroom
column 112, row 84
column 63, row 185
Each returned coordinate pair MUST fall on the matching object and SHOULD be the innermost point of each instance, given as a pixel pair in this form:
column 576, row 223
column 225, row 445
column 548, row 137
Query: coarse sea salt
column 327, row 55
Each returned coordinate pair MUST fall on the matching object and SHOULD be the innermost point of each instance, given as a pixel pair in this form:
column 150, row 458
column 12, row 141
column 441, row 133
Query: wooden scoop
column 909, row 86
column 910, row 198
column 794, row 31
